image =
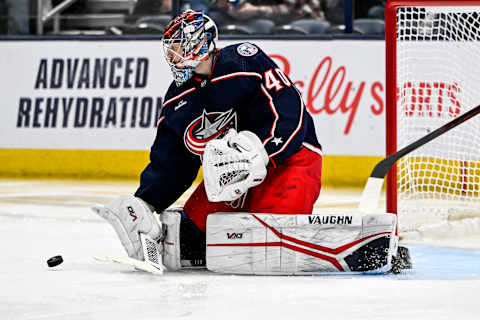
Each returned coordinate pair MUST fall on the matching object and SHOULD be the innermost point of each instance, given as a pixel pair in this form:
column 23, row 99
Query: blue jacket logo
column 210, row 125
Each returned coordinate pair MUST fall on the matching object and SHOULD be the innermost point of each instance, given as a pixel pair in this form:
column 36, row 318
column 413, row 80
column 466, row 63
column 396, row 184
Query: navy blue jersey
column 245, row 90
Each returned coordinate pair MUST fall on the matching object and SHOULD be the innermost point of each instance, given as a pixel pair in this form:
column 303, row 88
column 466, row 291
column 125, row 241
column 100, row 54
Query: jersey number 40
column 274, row 79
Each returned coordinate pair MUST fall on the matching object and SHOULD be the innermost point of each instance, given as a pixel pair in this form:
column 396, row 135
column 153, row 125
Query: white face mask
column 183, row 55
column 186, row 43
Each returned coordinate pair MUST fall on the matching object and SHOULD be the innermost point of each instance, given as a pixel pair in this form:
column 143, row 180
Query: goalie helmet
column 187, row 41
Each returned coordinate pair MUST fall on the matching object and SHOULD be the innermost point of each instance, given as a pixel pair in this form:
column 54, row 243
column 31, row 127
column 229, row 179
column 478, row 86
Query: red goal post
column 392, row 20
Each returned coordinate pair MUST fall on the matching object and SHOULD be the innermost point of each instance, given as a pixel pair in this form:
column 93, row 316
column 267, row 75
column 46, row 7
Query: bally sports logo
column 209, row 126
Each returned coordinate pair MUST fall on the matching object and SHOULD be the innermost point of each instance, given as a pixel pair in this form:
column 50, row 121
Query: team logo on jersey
column 247, row 49
column 210, row 125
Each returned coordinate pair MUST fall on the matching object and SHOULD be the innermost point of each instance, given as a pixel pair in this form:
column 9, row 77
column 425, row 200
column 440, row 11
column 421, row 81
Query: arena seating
column 95, row 15
column 369, row 26
column 115, row 17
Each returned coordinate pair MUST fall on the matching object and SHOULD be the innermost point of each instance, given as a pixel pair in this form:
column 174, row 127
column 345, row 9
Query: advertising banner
column 107, row 95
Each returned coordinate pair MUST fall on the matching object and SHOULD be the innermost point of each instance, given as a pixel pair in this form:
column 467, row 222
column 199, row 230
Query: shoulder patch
column 247, row 49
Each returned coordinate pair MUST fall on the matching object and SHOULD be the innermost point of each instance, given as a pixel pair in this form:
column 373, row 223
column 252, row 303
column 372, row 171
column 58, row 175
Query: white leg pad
column 244, row 243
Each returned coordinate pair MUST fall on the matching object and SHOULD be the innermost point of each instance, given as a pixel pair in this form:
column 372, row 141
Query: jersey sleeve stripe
column 313, row 148
column 179, row 96
column 160, row 120
column 274, row 111
column 237, row 74
column 296, row 130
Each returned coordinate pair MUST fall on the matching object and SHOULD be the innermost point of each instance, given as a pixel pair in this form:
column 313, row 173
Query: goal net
column 433, row 76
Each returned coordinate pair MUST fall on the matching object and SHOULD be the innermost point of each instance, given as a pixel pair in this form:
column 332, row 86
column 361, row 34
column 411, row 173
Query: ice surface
column 40, row 219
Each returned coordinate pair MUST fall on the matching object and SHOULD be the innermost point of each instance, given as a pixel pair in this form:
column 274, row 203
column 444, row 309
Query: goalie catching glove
column 233, row 164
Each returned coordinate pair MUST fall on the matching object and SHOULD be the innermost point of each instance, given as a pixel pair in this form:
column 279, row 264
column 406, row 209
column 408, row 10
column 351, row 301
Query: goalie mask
column 187, row 41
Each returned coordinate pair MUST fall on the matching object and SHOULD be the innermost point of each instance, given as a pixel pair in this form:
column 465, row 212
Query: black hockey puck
column 54, row 261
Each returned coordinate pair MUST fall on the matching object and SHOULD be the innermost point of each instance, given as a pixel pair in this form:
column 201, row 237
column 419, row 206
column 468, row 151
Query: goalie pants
column 290, row 188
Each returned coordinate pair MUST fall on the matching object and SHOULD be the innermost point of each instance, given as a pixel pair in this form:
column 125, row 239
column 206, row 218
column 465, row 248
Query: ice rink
column 41, row 219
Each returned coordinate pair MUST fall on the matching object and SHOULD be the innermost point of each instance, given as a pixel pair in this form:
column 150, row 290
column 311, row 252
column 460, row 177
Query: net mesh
column 438, row 73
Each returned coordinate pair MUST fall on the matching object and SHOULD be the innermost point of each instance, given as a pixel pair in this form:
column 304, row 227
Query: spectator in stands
column 374, row 9
column 18, row 17
column 281, row 11
column 200, row 5
column 152, row 7
column 334, row 11
column 377, row 11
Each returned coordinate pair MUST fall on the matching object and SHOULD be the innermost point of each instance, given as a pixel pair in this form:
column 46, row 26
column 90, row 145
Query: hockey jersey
column 245, row 90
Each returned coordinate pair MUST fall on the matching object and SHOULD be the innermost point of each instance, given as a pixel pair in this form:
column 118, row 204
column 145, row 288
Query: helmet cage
column 186, row 43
